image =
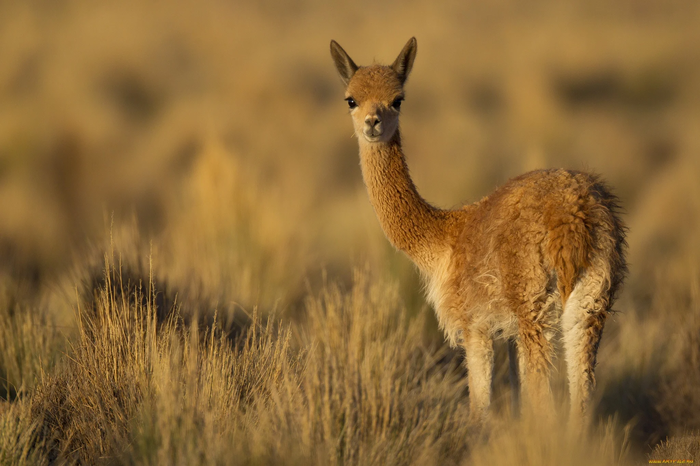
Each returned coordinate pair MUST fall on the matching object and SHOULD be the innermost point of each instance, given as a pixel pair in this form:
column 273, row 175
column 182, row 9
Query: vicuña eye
column 351, row 102
column 397, row 103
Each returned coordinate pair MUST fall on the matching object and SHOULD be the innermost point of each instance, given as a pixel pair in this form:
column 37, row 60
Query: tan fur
column 543, row 253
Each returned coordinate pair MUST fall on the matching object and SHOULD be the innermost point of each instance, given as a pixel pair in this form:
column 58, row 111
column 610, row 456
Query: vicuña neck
column 409, row 222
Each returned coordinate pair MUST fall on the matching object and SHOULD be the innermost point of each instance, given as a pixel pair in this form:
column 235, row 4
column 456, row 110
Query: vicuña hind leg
column 535, row 355
column 514, row 375
column 478, row 345
column 582, row 326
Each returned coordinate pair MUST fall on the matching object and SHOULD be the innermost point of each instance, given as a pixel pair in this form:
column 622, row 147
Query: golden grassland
column 191, row 273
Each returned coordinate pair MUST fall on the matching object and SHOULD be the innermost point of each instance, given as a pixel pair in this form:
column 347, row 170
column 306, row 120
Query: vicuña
column 542, row 254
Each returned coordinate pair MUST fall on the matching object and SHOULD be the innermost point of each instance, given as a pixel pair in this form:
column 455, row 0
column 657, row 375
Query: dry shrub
column 85, row 408
column 371, row 392
column 29, row 343
column 18, row 437
column 126, row 363
column 681, row 449
column 205, row 395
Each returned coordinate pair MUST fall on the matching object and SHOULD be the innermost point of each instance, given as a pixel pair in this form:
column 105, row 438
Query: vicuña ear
column 346, row 67
column 404, row 62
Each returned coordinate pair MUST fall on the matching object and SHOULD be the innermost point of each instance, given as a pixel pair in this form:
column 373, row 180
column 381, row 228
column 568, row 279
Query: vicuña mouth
column 372, row 137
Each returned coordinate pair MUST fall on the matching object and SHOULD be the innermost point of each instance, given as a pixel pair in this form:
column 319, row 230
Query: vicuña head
column 374, row 93
column 543, row 254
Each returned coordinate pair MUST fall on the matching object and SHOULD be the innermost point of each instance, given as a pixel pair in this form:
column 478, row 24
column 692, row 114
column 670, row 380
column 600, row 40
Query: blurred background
column 211, row 138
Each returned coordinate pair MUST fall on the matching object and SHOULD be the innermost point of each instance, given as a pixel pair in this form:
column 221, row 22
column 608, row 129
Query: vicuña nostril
column 372, row 121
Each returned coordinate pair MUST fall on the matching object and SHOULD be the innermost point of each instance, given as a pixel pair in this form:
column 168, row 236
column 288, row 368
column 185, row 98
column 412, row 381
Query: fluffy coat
column 543, row 253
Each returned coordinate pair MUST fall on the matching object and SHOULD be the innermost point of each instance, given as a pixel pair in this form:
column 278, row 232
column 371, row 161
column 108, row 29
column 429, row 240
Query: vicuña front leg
column 479, row 358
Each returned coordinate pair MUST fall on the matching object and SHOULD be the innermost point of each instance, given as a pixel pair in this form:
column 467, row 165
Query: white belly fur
column 491, row 315
column 437, row 283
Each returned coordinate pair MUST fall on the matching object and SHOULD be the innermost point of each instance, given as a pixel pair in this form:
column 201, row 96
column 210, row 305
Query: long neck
column 409, row 222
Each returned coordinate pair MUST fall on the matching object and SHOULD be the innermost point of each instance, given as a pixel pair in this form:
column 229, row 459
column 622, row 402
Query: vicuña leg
column 582, row 325
column 514, row 375
column 479, row 358
column 535, row 355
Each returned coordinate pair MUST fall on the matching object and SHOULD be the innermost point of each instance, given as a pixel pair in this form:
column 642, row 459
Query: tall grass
column 352, row 383
column 156, row 389
column 30, row 343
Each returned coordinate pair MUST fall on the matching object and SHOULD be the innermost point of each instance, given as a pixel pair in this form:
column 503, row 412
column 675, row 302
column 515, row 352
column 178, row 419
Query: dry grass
column 681, row 449
column 204, row 151
column 353, row 383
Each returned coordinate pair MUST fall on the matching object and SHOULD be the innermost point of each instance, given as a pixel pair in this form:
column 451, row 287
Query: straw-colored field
column 191, row 272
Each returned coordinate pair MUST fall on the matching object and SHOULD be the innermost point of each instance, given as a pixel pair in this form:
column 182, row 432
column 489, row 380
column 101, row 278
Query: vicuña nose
column 372, row 120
